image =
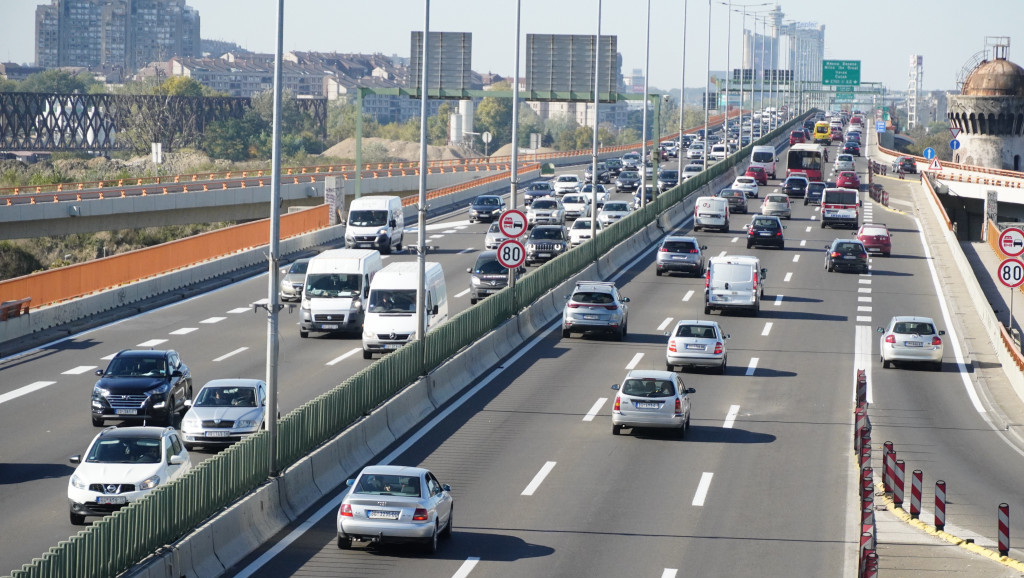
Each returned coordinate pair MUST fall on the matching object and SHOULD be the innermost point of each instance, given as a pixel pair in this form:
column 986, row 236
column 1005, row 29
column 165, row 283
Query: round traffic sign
column 1011, row 272
column 511, row 254
column 485, row 136
column 929, row 153
column 512, row 223
column 1011, row 241
column 954, row 144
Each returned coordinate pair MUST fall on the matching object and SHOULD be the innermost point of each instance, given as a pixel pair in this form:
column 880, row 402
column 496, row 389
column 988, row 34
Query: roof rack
column 605, row 283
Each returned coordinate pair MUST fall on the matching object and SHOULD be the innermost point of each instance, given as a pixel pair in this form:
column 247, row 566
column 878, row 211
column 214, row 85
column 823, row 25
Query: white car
column 494, row 237
column 844, row 162
column 777, row 204
column 580, row 231
column 746, row 184
column 566, row 184
column 545, row 211
column 913, row 339
column 697, row 343
column 122, row 465
column 576, row 205
column 696, row 151
column 225, row 411
column 689, row 171
column 613, row 211
column 602, row 194
column 395, row 504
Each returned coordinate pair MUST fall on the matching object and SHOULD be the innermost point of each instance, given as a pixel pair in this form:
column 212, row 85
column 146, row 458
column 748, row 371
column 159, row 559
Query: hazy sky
column 882, row 34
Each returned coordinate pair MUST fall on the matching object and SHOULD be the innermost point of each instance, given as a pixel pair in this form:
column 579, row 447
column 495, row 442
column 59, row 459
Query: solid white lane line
column 778, row 300
column 238, row 310
column 227, row 355
column 863, row 300
column 466, row 567
column 636, row 359
column 535, row 483
column 210, row 320
column 669, row 573
column 344, row 356
column 152, row 342
column 462, row 293
column 688, row 295
column 864, row 308
column 467, row 250
column 79, row 370
column 767, row 329
column 862, row 358
column 730, row 418
column 34, row 386
column 863, row 319
column 184, row 331
column 752, row 366
column 787, row 277
column 803, row 242
column 796, row 258
column 702, row 489
column 664, row 324
column 595, row 408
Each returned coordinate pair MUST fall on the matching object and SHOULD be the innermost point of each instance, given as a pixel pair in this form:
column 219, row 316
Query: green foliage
column 437, row 125
column 408, row 131
column 494, row 115
column 58, row 81
column 529, row 122
column 341, row 122
column 180, row 86
column 628, row 136
column 236, row 139
column 584, row 137
column 936, row 135
column 16, row 261
column 8, row 85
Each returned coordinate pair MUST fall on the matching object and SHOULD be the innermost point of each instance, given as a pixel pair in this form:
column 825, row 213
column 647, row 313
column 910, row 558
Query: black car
column 851, row 148
column 667, row 178
column 795, row 186
column 486, row 208
column 487, row 276
column 908, row 164
column 814, row 191
column 628, row 180
column 141, row 385
column 604, row 176
column 846, row 255
column 537, row 190
column 545, row 243
column 737, row 199
column 765, row 230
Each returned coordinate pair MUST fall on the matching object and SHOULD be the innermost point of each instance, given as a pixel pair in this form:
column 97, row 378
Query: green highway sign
column 840, row 72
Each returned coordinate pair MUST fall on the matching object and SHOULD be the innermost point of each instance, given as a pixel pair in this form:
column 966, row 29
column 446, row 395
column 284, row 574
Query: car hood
column 384, row 323
column 130, row 384
column 103, row 473
column 225, row 413
column 330, row 303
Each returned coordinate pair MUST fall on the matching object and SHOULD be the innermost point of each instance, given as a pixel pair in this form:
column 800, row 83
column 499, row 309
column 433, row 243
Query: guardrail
column 124, row 538
column 962, row 167
column 14, row 308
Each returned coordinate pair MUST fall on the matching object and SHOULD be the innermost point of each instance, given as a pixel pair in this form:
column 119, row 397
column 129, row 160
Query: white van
column 375, row 222
column 734, row 282
column 335, row 290
column 764, row 156
column 391, row 311
column 711, row 212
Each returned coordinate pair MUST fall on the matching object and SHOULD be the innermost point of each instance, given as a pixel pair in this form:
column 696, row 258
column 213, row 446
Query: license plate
column 873, row 250
column 647, row 405
column 678, row 257
column 381, row 515
column 590, row 317
column 764, row 233
column 848, row 257
column 111, row 500
column 392, row 345
column 126, row 411
column 544, row 255
column 217, row 434
column 695, row 346
column 912, row 343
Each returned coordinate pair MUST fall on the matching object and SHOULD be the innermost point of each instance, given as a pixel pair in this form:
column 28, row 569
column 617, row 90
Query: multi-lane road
column 764, row 480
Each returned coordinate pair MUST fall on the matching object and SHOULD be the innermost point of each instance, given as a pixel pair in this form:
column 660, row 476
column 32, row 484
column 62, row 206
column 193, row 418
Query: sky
column 882, row 34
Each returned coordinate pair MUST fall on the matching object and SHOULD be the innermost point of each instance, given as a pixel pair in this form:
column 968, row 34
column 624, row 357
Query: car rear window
column 875, row 232
column 623, row 207
column 680, row 246
column 914, row 327
column 840, row 198
column 545, row 205
column 596, row 297
column 732, row 272
column 388, row 485
column 848, row 248
column 649, row 387
column 701, row 331
column 776, row 199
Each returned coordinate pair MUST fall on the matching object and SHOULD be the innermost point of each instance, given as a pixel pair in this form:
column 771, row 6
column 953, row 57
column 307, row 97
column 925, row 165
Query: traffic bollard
column 871, row 565
column 915, row 494
column 865, row 456
column 858, row 429
column 899, row 471
column 862, row 388
column 867, row 483
column 940, row 505
column 1004, row 529
column 888, row 456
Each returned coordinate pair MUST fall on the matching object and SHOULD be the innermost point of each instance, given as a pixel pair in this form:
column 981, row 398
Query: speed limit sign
column 511, row 254
column 1011, row 272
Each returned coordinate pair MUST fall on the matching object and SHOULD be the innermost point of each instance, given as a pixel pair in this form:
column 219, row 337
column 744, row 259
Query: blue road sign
column 954, row 144
column 929, row 153
column 880, row 126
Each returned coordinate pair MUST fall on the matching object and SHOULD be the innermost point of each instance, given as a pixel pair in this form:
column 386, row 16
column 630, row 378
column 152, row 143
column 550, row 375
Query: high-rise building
column 126, row 34
column 806, row 50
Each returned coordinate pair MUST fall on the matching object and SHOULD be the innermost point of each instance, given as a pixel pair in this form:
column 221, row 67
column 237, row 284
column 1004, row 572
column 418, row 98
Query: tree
column 180, row 86
column 58, row 82
column 341, row 122
column 494, row 115
column 236, row 139
column 529, row 122
column 560, row 132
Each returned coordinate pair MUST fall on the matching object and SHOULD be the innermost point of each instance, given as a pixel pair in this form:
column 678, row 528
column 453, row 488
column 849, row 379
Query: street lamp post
column 643, row 137
column 682, row 98
column 597, row 117
column 707, row 94
column 421, row 208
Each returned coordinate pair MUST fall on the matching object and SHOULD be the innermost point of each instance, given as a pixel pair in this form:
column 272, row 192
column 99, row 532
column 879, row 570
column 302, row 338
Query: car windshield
column 745, row 181
column 494, row 228
column 388, row 485
column 125, row 450
column 692, row 169
column 392, row 301
column 543, row 233
column 545, row 205
column 703, row 331
column 573, row 199
column 132, row 366
column 914, row 328
column 846, row 158
column 226, row 396
column 567, row 179
column 815, row 187
column 489, row 266
column 333, row 284
column 680, row 247
column 629, row 175
column 669, row 174
column 795, row 183
column 582, row 224
column 648, row 388
column 616, row 207
column 368, row 218
column 298, row 267
column 487, row 201
column 539, row 187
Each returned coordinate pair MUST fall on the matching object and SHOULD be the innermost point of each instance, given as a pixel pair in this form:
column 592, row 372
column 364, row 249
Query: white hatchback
column 746, row 184
column 844, row 162
column 913, row 339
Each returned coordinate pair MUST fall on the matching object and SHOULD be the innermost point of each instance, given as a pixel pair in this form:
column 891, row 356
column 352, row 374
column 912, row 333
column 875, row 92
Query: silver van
column 734, row 282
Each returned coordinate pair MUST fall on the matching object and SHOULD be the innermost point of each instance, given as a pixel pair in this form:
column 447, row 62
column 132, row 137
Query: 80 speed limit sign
column 1011, row 272
column 511, row 254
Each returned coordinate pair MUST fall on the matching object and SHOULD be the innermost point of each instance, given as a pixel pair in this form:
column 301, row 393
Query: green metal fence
column 121, row 540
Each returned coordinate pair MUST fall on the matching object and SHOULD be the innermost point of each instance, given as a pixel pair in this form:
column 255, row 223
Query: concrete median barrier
column 448, row 379
column 375, row 427
column 409, row 408
column 327, row 466
column 299, row 488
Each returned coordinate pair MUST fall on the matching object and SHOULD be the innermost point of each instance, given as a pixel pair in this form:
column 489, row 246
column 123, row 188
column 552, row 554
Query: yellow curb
column 956, row 541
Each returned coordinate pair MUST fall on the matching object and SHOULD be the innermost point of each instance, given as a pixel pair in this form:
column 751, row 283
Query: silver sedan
column 654, row 399
column 697, row 344
column 395, row 504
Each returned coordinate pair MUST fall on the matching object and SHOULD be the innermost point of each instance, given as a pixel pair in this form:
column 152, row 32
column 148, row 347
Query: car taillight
column 835, row 254
column 719, row 347
column 755, row 281
column 750, row 232
column 346, row 510
column 890, row 339
column 672, row 346
column 573, row 305
column 616, row 406
column 664, row 249
column 611, row 307
column 862, row 256
column 694, row 251
column 778, row 233
column 679, row 406
column 936, row 340
column 707, row 279
column 420, row 515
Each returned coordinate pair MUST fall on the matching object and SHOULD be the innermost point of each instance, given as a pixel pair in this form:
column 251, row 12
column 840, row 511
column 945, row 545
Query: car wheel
column 398, row 247
column 725, row 363
column 447, row 533
column 886, row 363
column 616, row 430
column 681, row 434
column 829, row 267
column 303, row 334
column 344, row 543
column 566, row 334
column 669, row 367
column 707, row 310
column 431, row 545
column 823, row 224
column 885, row 254
column 171, row 412
column 472, row 301
column 748, row 244
column 657, row 272
column 621, row 334
column 77, row 519
column 367, row 354
column 97, row 422
column 188, row 446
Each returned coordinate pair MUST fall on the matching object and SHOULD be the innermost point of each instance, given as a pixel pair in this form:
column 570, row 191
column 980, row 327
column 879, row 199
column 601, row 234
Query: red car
column 848, row 180
column 837, row 135
column 876, row 238
column 797, row 136
column 758, row 173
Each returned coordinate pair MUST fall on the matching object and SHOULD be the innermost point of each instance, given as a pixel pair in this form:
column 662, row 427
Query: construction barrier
column 940, row 505
column 1004, row 529
column 888, row 456
column 899, row 470
column 915, row 494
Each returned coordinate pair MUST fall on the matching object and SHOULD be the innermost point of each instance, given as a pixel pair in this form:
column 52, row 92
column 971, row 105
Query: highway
column 764, row 480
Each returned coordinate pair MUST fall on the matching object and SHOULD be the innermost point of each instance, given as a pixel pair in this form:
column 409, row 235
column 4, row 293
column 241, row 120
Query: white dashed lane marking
column 154, row 342
column 730, row 418
column 79, row 370
column 539, row 478
column 344, row 356
column 803, row 242
column 688, row 295
column 210, row 320
column 665, row 324
column 237, row 310
column 702, row 489
column 462, row 293
column 595, row 408
column 864, row 309
column 767, row 329
column 863, row 299
column 466, row 567
column 227, row 355
column 864, row 290
column 184, row 330
column 25, row 390
column 787, row 277
column 752, row 366
column 778, row 300
column 633, row 362
column 796, row 258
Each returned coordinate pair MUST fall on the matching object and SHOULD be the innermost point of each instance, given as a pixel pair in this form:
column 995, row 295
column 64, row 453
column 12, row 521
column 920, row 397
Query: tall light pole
column 728, row 69
column 682, row 98
column 421, row 207
column 760, row 98
column 273, row 301
column 643, row 137
column 772, row 88
column 707, row 94
column 514, row 181
column 597, row 117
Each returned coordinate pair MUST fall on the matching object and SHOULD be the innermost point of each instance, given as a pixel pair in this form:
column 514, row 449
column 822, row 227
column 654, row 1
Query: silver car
column 911, row 339
column 576, row 205
column 545, row 211
column 566, row 184
column 494, row 236
column 224, row 412
column 682, row 254
column 395, row 504
column 697, row 344
column 654, row 399
column 776, row 205
column 613, row 211
column 293, row 281
column 595, row 307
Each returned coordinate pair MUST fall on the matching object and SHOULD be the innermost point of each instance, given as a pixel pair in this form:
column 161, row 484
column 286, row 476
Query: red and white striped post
column 867, row 514
column 915, row 494
column 865, row 456
column 897, row 484
column 859, row 427
column 862, row 388
column 888, row 457
column 871, row 565
column 1004, row 529
column 867, row 484
column 940, row 505
column 867, row 546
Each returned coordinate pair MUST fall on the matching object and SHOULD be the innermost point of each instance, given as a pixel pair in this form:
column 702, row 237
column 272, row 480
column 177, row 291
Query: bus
column 807, row 159
column 822, row 132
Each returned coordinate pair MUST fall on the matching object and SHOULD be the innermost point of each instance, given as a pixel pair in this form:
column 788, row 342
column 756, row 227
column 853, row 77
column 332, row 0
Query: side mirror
column 176, row 460
column 469, row 269
column 99, row 372
column 176, row 373
column 726, row 336
column 942, row 332
column 435, row 310
column 446, row 487
column 393, row 223
column 188, row 403
column 703, row 247
column 350, row 482
column 880, row 330
column 366, row 292
column 764, row 272
column 615, row 386
column 76, row 459
column 747, row 226
column 626, row 300
column 691, row 390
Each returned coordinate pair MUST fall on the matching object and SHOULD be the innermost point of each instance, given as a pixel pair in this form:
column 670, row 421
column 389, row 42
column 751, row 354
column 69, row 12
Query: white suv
column 121, row 466
column 566, row 184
